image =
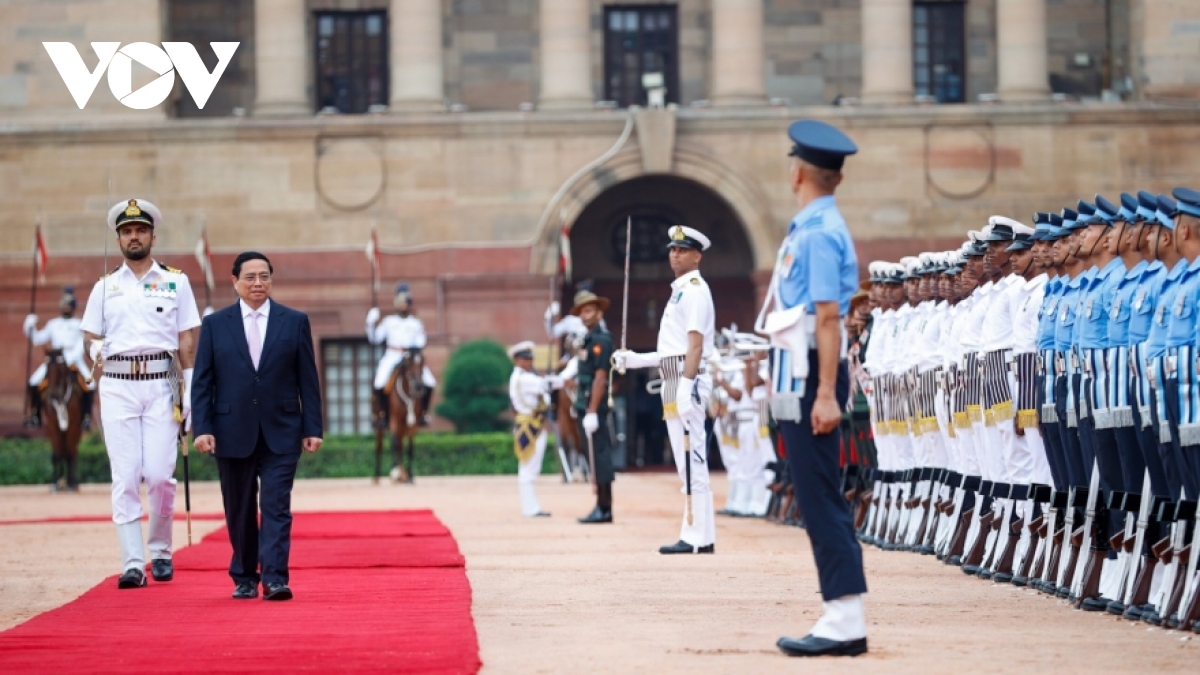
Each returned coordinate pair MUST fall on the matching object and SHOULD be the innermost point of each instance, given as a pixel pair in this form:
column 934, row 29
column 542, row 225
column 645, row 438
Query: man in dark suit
column 256, row 403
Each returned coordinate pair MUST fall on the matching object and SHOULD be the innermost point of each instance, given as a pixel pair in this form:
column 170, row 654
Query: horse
column 62, row 403
column 406, row 389
column 568, row 431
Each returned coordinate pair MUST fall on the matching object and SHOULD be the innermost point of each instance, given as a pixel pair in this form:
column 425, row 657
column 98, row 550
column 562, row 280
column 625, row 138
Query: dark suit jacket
column 232, row 401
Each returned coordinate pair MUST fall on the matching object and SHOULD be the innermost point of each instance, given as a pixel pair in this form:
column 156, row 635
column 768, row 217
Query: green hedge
column 24, row 462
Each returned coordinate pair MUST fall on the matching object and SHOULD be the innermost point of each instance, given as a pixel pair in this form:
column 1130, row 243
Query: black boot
column 35, row 407
column 426, row 401
column 381, row 409
column 86, row 400
column 602, row 513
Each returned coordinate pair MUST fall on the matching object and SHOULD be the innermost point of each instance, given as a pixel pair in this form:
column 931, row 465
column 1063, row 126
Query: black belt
column 137, row 376
column 140, row 357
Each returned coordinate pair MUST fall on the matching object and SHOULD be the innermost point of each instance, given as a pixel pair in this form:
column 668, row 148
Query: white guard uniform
column 398, row 333
column 140, row 317
column 60, row 333
column 690, row 309
column 530, row 396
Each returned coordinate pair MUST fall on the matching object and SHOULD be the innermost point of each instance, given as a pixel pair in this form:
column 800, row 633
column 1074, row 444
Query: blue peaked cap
column 1147, row 205
column 1187, row 201
column 820, row 144
column 1165, row 212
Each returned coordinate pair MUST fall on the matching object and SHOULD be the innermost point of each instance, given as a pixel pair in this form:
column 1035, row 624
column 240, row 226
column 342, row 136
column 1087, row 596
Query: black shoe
column 276, row 592
column 34, row 421
column 726, row 512
column 682, row 546
column 985, row 573
column 1133, row 613
column 1096, row 604
column 971, row 569
column 162, row 570
column 925, row 550
column 1019, row 581
column 597, row 516
column 132, row 578
column 1115, row 607
column 542, row 514
column 87, row 423
column 1151, row 617
column 955, row 560
column 245, row 592
column 815, row 646
column 1002, row 577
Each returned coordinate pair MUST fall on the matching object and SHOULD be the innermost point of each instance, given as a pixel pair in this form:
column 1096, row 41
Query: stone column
column 887, row 51
column 566, row 36
column 739, row 61
column 280, row 58
column 1021, row 50
column 416, row 58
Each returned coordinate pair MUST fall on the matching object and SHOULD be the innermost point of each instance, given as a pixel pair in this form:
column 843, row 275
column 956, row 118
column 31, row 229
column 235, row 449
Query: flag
column 564, row 252
column 373, row 258
column 41, row 257
column 204, row 257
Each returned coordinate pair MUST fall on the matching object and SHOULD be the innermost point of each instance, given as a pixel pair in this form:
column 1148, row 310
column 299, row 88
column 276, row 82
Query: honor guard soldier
column 401, row 332
column 141, row 322
column 594, row 366
column 816, row 272
column 685, row 343
column 530, row 396
column 62, row 334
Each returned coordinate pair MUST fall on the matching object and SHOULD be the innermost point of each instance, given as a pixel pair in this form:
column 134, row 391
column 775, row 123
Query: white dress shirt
column 1025, row 315
column 264, row 315
column 998, row 321
column 141, row 316
column 398, row 332
column 690, row 309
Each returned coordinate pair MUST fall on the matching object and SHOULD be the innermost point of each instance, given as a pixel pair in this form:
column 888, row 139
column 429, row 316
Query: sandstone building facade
column 469, row 132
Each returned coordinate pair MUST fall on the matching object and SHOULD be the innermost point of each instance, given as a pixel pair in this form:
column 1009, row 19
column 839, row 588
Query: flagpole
column 207, row 261
column 374, row 263
column 37, row 238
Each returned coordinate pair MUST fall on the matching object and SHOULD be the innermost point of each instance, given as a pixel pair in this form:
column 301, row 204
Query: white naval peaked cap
column 1022, row 228
column 974, row 235
column 687, row 237
column 134, row 211
column 522, row 350
column 876, row 267
column 911, row 264
column 1005, row 220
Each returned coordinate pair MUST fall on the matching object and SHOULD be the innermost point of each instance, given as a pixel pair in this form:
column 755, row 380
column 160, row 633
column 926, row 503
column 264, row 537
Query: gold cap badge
column 133, row 210
column 677, row 233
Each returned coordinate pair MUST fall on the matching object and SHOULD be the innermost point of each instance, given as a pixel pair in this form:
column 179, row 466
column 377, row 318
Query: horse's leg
column 397, row 471
column 378, row 455
column 412, row 444
column 74, row 431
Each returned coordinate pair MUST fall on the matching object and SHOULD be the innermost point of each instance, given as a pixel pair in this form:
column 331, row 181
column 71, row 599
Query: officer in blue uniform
column 1049, row 230
column 1181, row 340
column 817, row 269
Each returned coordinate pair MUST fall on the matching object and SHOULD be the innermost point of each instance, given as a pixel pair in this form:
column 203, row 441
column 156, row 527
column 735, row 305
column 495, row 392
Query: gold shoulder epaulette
column 114, row 271
column 172, row 270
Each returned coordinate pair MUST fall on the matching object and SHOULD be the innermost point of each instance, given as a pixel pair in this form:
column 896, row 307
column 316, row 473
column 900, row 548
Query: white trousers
column 140, row 434
column 702, row 531
column 753, row 496
column 527, row 473
column 391, row 359
column 731, row 459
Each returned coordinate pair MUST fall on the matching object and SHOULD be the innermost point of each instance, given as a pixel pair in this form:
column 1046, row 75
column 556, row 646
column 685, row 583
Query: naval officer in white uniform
column 686, row 336
column 141, row 321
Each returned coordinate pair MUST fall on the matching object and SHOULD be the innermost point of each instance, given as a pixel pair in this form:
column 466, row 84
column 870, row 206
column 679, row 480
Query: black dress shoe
column 1019, row 581
column 985, row 573
column 971, row 569
column 726, row 512
column 245, row 592
column 1002, row 577
column 276, row 592
column 132, row 578
column 1132, row 613
column 542, row 514
column 684, row 547
column 1115, row 607
column 162, row 570
column 954, row 560
column 815, row 646
column 597, row 516
column 1094, row 605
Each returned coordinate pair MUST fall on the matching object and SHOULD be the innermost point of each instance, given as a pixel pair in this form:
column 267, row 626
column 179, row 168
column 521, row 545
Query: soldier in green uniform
column 591, row 402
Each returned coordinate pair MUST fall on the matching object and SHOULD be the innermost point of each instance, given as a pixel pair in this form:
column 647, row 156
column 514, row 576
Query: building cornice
column 580, row 124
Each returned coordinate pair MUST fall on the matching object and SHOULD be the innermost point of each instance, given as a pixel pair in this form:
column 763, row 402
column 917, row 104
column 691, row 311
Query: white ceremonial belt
column 112, row 367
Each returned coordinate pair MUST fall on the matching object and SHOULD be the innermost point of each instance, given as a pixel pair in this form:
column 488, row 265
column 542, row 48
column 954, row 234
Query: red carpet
column 375, row 592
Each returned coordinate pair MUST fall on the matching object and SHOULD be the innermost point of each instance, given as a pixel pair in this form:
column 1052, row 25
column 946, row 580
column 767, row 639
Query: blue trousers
column 816, row 471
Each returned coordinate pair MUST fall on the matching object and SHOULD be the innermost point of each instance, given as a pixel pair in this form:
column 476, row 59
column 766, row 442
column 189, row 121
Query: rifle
column 1088, row 541
column 1135, row 541
column 1003, row 570
column 1033, row 553
column 1066, row 571
column 1138, row 595
column 1089, row 581
column 1053, row 533
column 1185, row 511
column 1189, row 607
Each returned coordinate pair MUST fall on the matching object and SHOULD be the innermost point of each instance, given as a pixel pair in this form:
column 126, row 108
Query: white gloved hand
column 30, row 324
column 552, row 311
column 570, row 371
column 634, row 360
column 554, row 382
column 187, row 398
column 373, row 315
column 591, row 423
column 684, row 404
column 95, row 349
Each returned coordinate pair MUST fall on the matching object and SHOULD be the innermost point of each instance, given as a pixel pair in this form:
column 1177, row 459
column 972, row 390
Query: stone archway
column 744, row 197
